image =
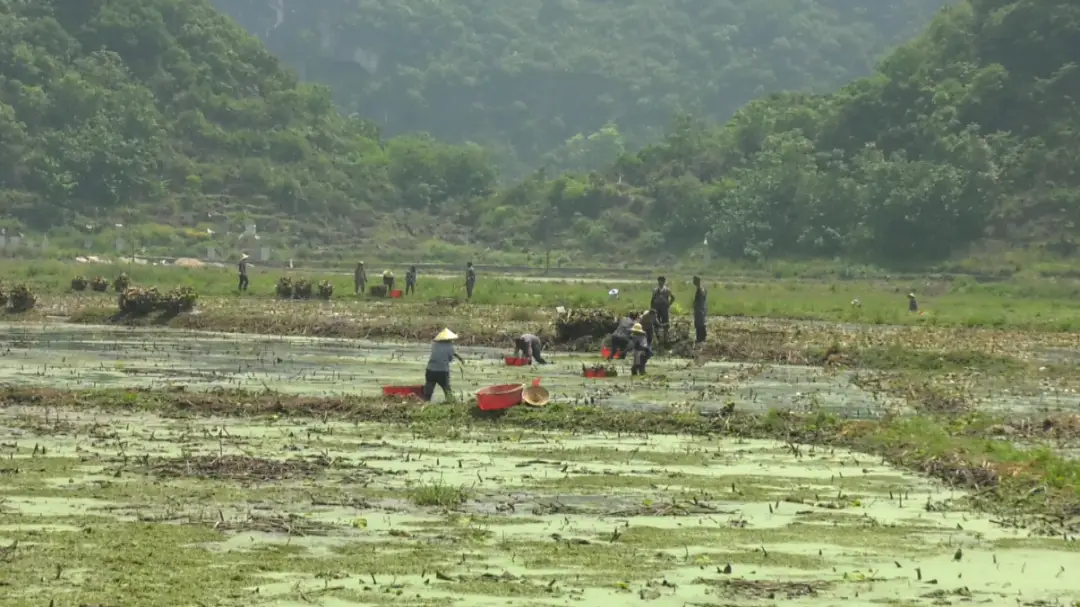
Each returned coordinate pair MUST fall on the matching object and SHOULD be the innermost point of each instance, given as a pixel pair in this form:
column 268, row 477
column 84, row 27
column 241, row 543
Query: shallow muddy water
column 112, row 509
column 95, row 357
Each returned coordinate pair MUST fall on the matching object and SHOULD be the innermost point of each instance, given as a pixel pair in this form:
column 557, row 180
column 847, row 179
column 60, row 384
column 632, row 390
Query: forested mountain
column 539, row 80
column 966, row 134
column 140, row 111
column 165, row 114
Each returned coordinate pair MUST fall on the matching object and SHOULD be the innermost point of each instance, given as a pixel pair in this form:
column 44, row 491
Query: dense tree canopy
column 965, row 134
column 156, row 108
column 531, row 78
column 147, row 110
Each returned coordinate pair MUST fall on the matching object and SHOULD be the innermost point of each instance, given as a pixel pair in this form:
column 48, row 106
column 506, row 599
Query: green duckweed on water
column 113, row 507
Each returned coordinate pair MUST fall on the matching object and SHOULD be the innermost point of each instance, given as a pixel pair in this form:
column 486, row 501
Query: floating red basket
column 499, row 397
column 512, row 361
column 403, row 390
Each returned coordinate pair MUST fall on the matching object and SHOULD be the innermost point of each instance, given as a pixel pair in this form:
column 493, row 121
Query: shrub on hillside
column 79, row 283
column 99, row 284
column 121, row 283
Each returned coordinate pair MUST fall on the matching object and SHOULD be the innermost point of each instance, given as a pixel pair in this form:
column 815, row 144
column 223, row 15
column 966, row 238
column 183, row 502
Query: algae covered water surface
column 99, row 357
column 126, row 509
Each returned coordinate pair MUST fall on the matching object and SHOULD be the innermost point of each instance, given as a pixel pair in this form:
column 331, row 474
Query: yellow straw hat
column 535, row 396
column 244, row 256
column 637, row 328
column 446, row 335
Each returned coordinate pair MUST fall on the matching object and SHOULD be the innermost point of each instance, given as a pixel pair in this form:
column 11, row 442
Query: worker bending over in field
column 529, row 345
column 648, row 323
column 620, row 339
column 410, row 280
column 438, row 367
column 662, row 298
column 388, row 281
column 359, row 278
column 640, row 350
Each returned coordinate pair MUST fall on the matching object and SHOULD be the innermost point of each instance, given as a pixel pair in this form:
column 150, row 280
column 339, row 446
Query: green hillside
column 524, row 77
column 166, row 116
column 965, row 136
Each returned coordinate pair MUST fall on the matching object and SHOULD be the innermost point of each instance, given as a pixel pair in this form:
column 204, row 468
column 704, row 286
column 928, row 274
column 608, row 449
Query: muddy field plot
column 98, row 509
column 81, row 357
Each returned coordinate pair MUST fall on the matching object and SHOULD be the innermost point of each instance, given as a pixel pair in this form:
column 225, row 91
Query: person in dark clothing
column 410, row 280
column 359, row 279
column 529, row 344
column 912, row 305
column 242, row 269
column 640, row 351
column 662, row 298
column 620, row 339
column 470, row 280
column 701, row 305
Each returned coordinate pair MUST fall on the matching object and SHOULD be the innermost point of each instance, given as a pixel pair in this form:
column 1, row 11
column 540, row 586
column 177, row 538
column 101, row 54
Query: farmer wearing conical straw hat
column 639, row 348
column 438, row 367
column 388, row 281
column 242, row 270
column 912, row 305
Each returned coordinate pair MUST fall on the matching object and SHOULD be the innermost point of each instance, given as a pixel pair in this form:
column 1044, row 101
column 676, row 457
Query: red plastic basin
column 516, row 362
column 606, row 352
column 499, row 397
column 403, row 390
column 595, row 373
column 396, row 293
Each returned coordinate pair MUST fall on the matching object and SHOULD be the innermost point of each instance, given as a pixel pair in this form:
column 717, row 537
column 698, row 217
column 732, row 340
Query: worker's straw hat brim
column 911, row 295
column 244, row 257
column 446, row 335
column 535, row 396
column 637, row 329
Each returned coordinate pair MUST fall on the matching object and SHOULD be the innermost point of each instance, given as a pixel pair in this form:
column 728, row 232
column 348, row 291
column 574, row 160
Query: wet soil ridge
column 237, row 467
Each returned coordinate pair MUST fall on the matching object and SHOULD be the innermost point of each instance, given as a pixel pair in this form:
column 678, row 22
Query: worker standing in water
column 242, row 269
column 470, row 280
column 438, row 367
column 359, row 278
column 388, row 281
column 701, row 304
column 640, row 350
column 662, row 298
column 529, row 345
column 912, row 305
column 410, row 280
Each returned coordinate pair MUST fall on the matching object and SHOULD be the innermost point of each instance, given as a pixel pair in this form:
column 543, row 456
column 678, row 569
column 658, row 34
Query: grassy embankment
column 1034, row 305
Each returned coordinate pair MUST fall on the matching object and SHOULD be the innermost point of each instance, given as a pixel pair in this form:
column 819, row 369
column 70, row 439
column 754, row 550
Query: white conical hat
column 446, row 335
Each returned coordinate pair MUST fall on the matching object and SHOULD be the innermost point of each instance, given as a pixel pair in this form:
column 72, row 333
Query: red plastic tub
column 516, row 362
column 606, row 352
column 403, row 390
column 596, row 373
column 503, row 396
column 396, row 293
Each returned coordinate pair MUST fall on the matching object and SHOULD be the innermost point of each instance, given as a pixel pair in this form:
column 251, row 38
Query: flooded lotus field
column 81, row 357
column 126, row 510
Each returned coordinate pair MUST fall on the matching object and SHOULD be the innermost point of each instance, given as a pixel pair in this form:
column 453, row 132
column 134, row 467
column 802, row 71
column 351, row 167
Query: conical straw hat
column 637, row 328
column 446, row 335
